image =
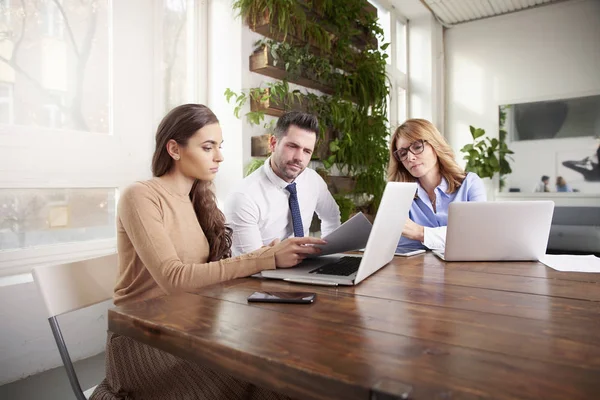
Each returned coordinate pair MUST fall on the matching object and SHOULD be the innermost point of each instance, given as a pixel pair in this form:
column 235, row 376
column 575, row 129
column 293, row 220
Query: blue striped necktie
column 295, row 210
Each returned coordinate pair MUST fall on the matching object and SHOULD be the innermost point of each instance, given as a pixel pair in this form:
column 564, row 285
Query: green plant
column 353, row 121
column 288, row 18
column 278, row 92
column 487, row 156
column 299, row 61
column 502, row 134
column 253, row 165
column 346, row 206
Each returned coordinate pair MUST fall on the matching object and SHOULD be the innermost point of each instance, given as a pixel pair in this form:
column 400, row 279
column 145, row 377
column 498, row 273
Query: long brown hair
column 180, row 124
column 417, row 129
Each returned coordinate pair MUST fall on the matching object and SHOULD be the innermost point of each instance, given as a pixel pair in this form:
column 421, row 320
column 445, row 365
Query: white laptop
column 346, row 269
column 497, row 231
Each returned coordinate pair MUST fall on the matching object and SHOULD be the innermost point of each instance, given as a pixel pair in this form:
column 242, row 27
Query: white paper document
column 351, row 235
column 568, row 263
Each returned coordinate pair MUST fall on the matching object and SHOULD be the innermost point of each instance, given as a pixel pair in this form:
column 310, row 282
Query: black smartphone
column 282, row 297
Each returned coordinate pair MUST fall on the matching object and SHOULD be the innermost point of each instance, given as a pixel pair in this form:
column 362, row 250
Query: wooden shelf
column 262, row 63
column 275, row 108
column 340, row 184
column 263, row 27
column 259, row 146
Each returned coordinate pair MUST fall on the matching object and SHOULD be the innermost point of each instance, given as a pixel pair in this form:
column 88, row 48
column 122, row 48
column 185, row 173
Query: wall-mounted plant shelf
column 274, row 107
column 264, row 27
column 340, row 184
column 331, row 47
column 259, row 146
column 262, row 62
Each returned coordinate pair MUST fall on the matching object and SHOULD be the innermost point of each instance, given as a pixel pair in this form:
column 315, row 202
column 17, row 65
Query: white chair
column 70, row 287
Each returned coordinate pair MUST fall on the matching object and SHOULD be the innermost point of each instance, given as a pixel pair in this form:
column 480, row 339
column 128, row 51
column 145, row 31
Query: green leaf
column 466, row 148
column 229, row 94
column 472, row 129
column 493, row 162
column 478, row 133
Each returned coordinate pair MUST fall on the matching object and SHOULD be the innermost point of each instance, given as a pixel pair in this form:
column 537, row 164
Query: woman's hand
column 293, row 250
column 413, row 231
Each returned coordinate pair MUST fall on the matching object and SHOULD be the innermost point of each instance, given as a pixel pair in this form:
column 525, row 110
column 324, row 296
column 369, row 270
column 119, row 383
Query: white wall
column 26, row 342
column 546, row 53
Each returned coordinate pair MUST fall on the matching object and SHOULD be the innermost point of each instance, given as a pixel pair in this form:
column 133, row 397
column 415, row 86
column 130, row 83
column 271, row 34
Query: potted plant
column 487, row 157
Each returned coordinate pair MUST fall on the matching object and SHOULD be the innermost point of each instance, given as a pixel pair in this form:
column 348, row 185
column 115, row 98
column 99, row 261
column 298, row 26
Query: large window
column 395, row 33
column 183, row 52
column 83, row 84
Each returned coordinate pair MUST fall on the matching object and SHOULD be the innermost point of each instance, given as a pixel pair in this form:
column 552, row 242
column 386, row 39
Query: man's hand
column 413, row 231
column 274, row 243
column 293, row 250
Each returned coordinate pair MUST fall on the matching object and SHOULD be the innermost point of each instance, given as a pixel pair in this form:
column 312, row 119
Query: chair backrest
column 69, row 287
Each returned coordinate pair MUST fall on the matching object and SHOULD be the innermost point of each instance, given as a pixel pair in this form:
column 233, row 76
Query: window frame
column 398, row 79
column 399, row 82
column 120, row 156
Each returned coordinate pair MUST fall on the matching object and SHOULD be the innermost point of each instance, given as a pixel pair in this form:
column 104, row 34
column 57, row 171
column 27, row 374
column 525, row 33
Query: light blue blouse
column 563, row 188
column 421, row 210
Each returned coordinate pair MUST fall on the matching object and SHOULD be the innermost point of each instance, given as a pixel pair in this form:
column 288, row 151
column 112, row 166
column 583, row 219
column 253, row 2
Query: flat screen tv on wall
column 558, row 139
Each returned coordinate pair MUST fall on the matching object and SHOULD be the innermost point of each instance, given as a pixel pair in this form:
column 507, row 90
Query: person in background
column 419, row 153
column 172, row 238
column 542, row 186
column 279, row 199
column 561, row 185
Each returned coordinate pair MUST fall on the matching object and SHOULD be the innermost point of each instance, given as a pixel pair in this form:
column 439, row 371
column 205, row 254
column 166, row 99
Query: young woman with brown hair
column 171, row 238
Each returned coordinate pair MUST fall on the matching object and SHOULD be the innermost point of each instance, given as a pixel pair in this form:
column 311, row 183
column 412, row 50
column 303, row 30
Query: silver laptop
column 497, row 231
column 346, row 269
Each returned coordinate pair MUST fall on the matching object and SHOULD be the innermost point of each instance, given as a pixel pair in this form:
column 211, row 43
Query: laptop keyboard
column 345, row 266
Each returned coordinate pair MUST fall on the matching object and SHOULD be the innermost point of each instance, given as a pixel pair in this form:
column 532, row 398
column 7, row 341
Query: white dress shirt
column 258, row 210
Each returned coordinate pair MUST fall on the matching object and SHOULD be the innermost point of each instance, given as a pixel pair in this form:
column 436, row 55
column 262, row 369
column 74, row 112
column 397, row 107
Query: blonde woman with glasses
column 419, row 153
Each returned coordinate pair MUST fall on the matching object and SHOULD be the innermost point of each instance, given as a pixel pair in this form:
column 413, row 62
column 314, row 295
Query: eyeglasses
column 416, row 147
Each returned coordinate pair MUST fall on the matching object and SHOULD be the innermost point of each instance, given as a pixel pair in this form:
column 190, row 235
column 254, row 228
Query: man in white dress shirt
column 278, row 200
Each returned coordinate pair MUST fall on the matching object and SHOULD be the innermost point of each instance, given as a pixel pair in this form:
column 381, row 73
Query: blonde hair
column 421, row 129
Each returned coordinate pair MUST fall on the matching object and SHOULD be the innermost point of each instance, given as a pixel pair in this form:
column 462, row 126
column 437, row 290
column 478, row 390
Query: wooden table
column 419, row 326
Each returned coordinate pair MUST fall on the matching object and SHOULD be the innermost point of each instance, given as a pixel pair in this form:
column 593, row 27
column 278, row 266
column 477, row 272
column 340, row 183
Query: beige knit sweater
column 163, row 250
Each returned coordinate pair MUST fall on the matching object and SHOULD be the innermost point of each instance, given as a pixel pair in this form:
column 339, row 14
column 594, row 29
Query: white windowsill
column 15, row 279
column 18, row 262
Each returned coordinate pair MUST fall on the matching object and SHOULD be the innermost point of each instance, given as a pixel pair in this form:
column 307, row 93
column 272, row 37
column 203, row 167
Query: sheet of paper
column 351, row 235
column 569, row 263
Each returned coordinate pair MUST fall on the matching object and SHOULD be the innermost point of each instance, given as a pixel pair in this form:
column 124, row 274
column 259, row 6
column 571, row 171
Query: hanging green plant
column 353, row 121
